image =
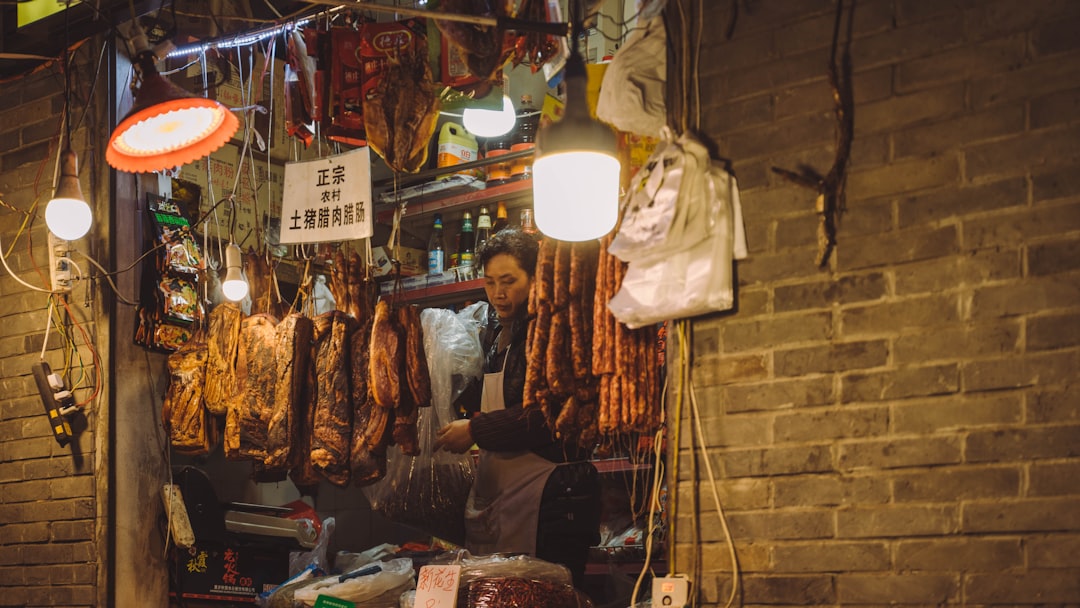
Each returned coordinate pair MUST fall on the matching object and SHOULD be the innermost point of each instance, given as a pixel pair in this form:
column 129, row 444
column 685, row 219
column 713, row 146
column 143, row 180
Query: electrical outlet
column 59, row 263
column 670, row 591
column 58, row 401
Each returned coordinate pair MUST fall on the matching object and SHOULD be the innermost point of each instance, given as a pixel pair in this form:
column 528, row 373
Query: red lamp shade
column 167, row 127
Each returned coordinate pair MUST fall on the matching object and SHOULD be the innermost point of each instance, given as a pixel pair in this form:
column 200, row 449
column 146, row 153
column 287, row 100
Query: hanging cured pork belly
column 191, row 429
column 292, row 351
column 400, row 113
column 333, row 421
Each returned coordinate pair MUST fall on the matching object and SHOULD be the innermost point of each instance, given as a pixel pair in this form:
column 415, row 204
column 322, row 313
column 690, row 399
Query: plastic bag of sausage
column 428, row 491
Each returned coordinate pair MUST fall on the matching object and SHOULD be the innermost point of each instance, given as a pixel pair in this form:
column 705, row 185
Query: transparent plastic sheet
column 502, row 566
column 381, row 589
column 282, row 596
column 428, row 491
column 298, row 561
column 347, row 561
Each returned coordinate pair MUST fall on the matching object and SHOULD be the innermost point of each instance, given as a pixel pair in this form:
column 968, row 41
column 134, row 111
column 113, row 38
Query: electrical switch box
column 670, row 591
column 59, row 264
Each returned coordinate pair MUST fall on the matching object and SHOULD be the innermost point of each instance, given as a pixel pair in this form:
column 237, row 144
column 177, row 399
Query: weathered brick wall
column 902, row 427
column 49, row 507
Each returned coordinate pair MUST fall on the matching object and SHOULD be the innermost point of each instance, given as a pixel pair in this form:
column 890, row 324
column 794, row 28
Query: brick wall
column 50, row 512
column 902, row 427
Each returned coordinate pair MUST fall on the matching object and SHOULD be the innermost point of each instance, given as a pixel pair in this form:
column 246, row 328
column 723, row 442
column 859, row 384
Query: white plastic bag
column 697, row 279
column 394, row 575
column 666, row 208
column 633, row 89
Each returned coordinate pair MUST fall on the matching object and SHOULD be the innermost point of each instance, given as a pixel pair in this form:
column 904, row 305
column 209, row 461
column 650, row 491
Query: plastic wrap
column 497, row 565
column 429, row 490
column 513, row 592
column 317, row 556
column 282, row 596
column 376, row 586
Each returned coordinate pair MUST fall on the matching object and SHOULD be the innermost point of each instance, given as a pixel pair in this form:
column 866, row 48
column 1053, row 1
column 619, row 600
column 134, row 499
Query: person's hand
column 455, row 437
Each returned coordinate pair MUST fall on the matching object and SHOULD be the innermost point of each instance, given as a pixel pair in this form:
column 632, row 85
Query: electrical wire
column 654, row 495
column 96, row 358
column 3, row 258
column 108, row 275
column 48, row 327
column 696, row 414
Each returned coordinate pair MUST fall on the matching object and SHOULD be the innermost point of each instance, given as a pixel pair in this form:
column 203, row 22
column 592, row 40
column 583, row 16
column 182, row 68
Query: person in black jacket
column 533, row 494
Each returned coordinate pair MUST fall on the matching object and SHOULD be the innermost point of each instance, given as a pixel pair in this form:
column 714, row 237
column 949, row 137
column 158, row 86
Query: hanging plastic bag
column 665, row 210
column 428, row 491
column 633, row 89
column 696, row 280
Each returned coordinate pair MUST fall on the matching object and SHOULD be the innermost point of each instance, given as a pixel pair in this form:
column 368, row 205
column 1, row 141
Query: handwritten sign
column 437, row 586
column 328, row 199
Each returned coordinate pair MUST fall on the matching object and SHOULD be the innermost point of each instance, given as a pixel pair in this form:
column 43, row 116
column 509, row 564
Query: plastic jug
column 456, row 146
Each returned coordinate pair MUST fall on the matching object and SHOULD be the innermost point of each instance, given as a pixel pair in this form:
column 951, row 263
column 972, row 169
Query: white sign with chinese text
column 437, row 586
column 328, row 199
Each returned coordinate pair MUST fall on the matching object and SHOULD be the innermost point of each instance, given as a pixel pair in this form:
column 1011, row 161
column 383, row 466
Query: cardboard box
column 413, row 261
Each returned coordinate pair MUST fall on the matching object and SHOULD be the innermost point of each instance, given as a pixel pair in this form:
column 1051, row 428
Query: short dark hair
column 513, row 242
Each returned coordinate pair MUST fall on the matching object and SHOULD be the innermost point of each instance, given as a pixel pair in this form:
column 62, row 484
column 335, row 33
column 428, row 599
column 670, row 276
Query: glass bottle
column 483, row 228
column 527, row 224
column 467, row 241
column 502, row 220
column 436, row 247
column 528, row 120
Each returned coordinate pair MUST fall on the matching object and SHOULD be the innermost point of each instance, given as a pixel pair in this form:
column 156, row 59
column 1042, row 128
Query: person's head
column 509, row 262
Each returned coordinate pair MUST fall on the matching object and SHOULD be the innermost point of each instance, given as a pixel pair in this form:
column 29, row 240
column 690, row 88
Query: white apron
column 503, row 509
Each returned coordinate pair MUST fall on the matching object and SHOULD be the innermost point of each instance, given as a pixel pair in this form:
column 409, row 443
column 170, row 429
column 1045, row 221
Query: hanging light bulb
column 490, row 123
column 576, row 171
column 234, row 287
column 167, row 126
column 67, row 215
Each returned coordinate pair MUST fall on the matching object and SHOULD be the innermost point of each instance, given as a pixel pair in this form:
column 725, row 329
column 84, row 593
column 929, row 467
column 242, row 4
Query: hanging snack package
column 173, row 234
column 346, row 109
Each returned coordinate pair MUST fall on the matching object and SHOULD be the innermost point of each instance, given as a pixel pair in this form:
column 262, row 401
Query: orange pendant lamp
column 167, row 127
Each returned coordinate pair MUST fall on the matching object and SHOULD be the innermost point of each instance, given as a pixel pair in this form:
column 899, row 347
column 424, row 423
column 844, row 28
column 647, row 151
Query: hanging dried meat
column 416, row 367
column 301, row 471
column 625, row 360
column 366, row 467
column 401, row 112
column 222, row 338
column 257, row 272
column 482, row 46
column 292, row 351
column 386, row 358
column 256, row 375
column 190, row 427
column 332, row 431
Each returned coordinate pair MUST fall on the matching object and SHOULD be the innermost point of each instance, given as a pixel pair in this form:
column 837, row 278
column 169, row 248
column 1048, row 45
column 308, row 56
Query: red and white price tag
column 437, row 586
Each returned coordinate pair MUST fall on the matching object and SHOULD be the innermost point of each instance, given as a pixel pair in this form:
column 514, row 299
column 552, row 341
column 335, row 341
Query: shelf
column 450, row 292
column 659, row 564
column 620, row 465
column 441, row 202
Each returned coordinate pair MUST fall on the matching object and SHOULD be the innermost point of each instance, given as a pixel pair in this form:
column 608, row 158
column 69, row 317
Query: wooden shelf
column 450, row 292
column 441, row 202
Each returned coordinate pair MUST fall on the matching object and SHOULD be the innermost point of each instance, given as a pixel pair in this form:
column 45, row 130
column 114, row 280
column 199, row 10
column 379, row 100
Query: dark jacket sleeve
column 515, row 427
